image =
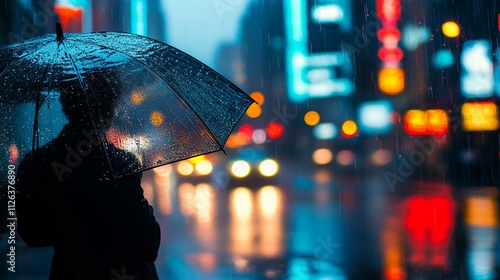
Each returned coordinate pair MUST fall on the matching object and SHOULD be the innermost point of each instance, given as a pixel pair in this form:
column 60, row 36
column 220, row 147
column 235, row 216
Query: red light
column 70, row 17
column 247, row 131
column 389, row 54
column 274, row 130
column 498, row 22
column 429, row 221
column 430, row 122
column 389, row 35
column 389, row 11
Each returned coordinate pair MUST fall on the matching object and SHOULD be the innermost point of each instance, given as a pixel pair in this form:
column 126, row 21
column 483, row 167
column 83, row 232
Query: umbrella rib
column 37, row 110
column 180, row 96
column 80, row 80
column 29, row 55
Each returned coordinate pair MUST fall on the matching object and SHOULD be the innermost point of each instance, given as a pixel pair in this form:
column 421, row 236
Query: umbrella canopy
column 143, row 96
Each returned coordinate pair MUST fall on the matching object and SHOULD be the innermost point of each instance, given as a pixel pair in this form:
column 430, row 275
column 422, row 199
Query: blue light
column 476, row 80
column 315, row 75
column 325, row 131
column 414, row 35
column 327, row 13
column 443, row 59
column 375, row 117
column 139, row 16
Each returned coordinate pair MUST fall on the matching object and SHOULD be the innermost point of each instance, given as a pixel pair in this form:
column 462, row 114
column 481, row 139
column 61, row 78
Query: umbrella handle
column 59, row 32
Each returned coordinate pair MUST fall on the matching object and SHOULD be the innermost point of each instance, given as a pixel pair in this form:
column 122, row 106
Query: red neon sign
column 389, row 11
column 70, row 17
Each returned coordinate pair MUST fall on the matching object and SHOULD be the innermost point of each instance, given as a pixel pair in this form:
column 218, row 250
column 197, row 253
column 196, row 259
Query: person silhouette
column 99, row 228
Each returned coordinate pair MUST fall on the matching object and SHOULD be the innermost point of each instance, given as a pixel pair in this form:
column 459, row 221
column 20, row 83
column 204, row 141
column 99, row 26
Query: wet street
column 311, row 224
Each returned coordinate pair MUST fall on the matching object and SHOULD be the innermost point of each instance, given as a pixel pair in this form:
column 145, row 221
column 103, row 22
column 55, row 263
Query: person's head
column 90, row 102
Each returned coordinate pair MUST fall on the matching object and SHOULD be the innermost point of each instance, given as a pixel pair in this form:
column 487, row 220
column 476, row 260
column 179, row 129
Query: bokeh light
column 443, row 59
column 258, row 97
column 391, row 81
column 480, row 116
column 325, row 131
column 204, row 167
column 274, row 130
column 312, row 118
column 197, row 159
column 240, row 168
column 345, row 157
column 381, row 157
column 246, row 131
column 349, row 128
column 254, row 111
column 157, row 118
column 137, row 98
column 185, row 168
column 163, row 171
column 322, row 156
column 259, row 136
column 268, row 168
column 451, row 29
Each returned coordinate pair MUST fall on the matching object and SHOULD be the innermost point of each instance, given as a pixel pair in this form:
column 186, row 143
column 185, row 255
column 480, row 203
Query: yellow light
column 418, row 122
column 241, row 199
column 480, row 116
column 269, row 199
column 204, row 167
column 481, row 212
column 237, row 139
column 312, row 118
column 187, row 199
column 156, row 118
column 451, row 29
column 254, row 111
column 240, row 168
column 268, row 168
column 322, row 156
column 185, row 168
column 438, row 120
column 349, row 128
column 195, row 160
column 204, row 197
column 163, row 171
column 391, row 81
column 137, row 98
column 258, row 97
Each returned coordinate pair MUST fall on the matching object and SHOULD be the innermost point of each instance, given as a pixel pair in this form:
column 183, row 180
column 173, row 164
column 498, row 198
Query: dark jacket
column 100, row 229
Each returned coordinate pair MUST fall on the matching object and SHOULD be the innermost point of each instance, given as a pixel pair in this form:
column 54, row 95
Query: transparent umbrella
column 119, row 92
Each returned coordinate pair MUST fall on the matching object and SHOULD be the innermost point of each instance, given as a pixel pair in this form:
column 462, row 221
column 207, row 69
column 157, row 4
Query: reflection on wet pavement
column 313, row 226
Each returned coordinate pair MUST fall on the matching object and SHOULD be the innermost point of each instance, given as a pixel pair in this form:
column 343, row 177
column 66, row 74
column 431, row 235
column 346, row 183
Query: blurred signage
column 429, row 222
column 139, row 15
column 477, row 69
column 74, row 15
column 325, row 131
column 391, row 78
column 316, row 66
column 481, row 224
column 481, row 211
column 480, row 116
column 375, row 117
column 70, row 17
column 430, row 122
